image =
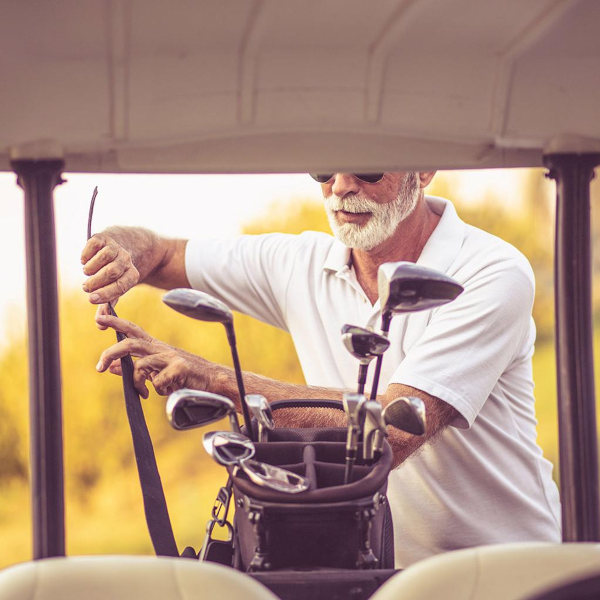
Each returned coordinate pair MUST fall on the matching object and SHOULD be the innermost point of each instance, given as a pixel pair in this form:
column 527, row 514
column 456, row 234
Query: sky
column 173, row 205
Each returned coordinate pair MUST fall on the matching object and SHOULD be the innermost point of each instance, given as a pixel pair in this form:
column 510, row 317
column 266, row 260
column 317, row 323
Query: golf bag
column 332, row 524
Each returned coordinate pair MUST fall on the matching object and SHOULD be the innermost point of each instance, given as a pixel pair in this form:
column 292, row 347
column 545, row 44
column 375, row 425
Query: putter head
column 260, row 409
column 407, row 287
column 198, row 305
column 363, row 343
column 228, row 447
column 407, row 414
column 187, row 409
column 374, row 429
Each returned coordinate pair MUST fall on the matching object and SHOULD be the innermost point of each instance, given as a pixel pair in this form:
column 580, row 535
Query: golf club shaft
column 362, row 377
column 240, row 381
column 386, row 319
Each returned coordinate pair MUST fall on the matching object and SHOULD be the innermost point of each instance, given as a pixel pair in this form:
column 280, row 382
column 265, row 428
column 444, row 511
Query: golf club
column 374, row 428
column 365, row 345
column 261, row 411
column 204, row 307
column 187, row 409
column 233, row 449
column 353, row 406
column 406, row 287
column 404, row 413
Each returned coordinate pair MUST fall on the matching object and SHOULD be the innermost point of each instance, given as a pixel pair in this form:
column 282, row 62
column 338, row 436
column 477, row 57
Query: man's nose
column 343, row 184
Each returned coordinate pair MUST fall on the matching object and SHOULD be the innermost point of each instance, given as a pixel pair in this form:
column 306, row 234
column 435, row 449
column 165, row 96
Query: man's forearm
column 272, row 390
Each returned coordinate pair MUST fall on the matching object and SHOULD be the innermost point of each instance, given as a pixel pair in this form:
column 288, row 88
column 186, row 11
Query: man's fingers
column 93, row 245
column 112, row 290
column 101, row 258
column 102, row 311
column 133, row 347
column 131, row 330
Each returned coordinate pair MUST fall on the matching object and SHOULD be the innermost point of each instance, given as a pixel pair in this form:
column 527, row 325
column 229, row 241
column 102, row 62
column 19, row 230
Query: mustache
column 352, row 204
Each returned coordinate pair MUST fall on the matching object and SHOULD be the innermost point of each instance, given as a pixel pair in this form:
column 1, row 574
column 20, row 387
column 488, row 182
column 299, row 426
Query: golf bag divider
column 330, row 525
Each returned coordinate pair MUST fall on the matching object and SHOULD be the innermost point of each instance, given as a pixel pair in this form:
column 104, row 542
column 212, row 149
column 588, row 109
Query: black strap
column 155, row 505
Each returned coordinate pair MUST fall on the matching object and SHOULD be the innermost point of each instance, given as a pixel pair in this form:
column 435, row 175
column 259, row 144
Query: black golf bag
column 332, row 524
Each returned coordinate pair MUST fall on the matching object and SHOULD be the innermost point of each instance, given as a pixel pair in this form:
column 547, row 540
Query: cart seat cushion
column 126, row 578
column 497, row 572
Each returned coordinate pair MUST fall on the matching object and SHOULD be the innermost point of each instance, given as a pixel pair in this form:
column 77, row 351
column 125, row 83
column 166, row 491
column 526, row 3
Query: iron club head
column 406, row 413
column 374, row 429
column 187, row 409
column 261, row 411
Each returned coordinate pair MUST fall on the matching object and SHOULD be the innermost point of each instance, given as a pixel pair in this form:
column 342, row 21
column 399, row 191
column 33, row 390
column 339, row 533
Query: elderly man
column 478, row 476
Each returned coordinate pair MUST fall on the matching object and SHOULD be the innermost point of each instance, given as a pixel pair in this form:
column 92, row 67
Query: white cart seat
column 498, row 572
column 127, row 578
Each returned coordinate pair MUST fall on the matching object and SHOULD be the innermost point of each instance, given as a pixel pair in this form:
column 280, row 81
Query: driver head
column 406, row 414
column 198, row 305
column 187, row 409
column 363, row 343
column 407, row 287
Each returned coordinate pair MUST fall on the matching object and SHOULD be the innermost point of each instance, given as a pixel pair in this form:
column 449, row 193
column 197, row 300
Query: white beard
column 384, row 218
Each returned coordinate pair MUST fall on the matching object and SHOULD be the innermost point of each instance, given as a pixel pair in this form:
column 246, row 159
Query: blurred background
column 104, row 511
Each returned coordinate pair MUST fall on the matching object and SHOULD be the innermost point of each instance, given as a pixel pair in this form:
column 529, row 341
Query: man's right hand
column 109, row 268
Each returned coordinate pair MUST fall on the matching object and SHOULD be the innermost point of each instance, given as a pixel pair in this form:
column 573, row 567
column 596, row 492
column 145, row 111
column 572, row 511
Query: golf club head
column 407, row 287
column 198, row 305
column 363, row 343
column 187, row 409
column 374, row 429
column 273, row 477
column 353, row 407
column 228, row 447
column 261, row 411
column 407, row 414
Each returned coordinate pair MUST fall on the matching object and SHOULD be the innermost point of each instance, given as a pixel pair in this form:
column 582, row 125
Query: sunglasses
column 366, row 177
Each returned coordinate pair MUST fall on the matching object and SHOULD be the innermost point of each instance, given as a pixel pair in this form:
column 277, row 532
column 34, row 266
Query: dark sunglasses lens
column 321, row 178
column 369, row 177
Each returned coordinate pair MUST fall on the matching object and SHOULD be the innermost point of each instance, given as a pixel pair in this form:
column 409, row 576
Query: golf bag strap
column 155, row 505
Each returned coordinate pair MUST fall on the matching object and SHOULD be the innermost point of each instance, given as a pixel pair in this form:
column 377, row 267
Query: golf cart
column 217, row 87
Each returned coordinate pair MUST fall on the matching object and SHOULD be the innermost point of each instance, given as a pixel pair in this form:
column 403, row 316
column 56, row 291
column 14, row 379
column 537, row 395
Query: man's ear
column 425, row 178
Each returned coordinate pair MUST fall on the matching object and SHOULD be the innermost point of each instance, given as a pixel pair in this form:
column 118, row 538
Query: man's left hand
column 167, row 368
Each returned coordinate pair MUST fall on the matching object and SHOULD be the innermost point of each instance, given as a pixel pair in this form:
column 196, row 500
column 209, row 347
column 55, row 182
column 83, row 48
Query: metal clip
column 208, row 537
column 221, row 506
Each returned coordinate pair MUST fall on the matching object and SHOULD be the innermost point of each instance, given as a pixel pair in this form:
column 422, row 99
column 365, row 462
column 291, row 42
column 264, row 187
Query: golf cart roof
column 301, row 85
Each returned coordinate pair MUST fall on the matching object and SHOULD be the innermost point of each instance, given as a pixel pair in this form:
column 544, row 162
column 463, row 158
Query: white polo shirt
column 484, row 479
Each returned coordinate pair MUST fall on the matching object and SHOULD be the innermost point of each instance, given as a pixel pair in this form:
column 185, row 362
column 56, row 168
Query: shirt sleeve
column 250, row 273
column 470, row 342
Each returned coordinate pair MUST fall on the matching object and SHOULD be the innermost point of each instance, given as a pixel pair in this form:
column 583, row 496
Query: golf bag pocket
column 332, row 524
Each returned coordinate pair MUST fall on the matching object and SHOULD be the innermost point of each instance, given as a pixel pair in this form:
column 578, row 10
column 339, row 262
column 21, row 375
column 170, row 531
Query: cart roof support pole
column 38, row 179
column 574, row 351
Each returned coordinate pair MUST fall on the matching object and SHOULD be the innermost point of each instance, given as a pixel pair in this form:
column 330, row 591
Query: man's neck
column 406, row 243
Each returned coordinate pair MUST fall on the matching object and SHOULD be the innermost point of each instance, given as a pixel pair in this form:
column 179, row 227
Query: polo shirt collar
column 445, row 242
column 338, row 258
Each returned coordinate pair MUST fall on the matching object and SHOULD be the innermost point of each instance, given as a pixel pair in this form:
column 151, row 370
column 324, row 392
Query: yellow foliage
column 103, row 500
